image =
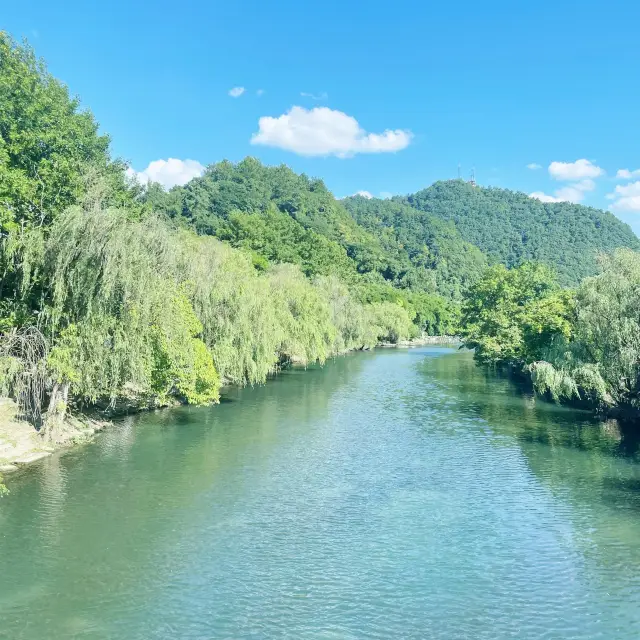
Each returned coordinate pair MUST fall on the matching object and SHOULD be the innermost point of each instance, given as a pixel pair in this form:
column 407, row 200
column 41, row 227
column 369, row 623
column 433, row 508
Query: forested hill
column 439, row 239
column 426, row 239
column 510, row 227
column 281, row 216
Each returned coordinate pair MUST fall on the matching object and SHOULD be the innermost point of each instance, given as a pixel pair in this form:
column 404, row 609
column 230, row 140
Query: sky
column 379, row 97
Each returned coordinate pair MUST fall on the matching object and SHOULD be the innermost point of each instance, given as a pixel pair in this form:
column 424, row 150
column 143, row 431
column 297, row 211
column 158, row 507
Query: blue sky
column 401, row 92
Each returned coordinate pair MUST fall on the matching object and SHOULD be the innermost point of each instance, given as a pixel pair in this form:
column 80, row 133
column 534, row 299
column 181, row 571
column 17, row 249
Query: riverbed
column 391, row 494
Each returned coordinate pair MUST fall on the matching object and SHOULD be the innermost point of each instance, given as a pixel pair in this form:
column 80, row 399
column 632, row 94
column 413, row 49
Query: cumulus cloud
column 574, row 192
column 578, row 174
column 627, row 190
column 543, row 197
column 627, row 198
column 168, row 173
column 626, row 205
column 236, row 92
column 534, row 166
column 365, row 194
column 574, row 170
column 324, row 132
column 625, row 174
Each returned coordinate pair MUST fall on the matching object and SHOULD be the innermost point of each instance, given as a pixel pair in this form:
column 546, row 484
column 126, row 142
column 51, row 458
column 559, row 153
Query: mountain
column 510, row 227
column 281, row 216
column 429, row 241
column 438, row 240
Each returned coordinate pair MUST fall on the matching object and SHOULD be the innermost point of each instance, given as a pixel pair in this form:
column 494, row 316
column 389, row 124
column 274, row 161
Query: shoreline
column 21, row 445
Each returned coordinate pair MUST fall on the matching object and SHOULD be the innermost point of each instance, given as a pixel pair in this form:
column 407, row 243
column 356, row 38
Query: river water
column 394, row 494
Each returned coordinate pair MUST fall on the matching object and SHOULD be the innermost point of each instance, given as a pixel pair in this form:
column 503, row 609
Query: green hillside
column 281, row 216
column 510, row 227
column 428, row 241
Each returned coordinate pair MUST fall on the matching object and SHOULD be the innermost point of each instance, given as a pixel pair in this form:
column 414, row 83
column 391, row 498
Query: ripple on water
column 387, row 495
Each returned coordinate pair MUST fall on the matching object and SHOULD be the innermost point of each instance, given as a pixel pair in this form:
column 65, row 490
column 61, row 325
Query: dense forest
column 113, row 293
column 512, row 228
column 432, row 245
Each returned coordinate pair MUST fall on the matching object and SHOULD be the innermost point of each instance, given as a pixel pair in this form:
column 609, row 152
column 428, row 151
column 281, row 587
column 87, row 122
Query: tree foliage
column 282, row 217
column 582, row 346
column 429, row 253
column 140, row 312
column 47, row 142
column 510, row 315
column 512, row 228
column 600, row 361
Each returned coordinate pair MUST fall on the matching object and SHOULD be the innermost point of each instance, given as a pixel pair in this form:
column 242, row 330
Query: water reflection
column 592, row 465
column 512, row 408
column 116, row 507
column 386, row 495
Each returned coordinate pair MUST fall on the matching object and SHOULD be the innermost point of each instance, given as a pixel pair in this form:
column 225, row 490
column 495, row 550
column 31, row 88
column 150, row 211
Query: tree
column 47, row 142
column 511, row 315
column 600, row 361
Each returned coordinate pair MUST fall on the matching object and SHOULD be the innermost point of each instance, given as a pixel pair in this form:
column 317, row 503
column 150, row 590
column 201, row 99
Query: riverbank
column 21, row 445
column 422, row 341
column 626, row 415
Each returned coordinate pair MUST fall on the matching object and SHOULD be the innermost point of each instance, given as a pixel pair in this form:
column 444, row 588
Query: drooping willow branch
column 23, row 376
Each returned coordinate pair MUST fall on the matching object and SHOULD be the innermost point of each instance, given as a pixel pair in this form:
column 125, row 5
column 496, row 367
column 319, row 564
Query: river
column 393, row 494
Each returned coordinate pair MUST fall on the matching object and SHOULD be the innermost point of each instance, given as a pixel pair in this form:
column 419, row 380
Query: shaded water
column 398, row 494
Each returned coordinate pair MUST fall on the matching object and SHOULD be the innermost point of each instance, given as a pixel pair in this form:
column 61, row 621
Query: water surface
column 396, row 494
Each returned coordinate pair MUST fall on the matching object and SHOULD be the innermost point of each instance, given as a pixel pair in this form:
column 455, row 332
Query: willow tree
column 601, row 360
column 304, row 316
column 353, row 321
column 118, row 315
column 233, row 302
column 23, row 370
column 391, row 322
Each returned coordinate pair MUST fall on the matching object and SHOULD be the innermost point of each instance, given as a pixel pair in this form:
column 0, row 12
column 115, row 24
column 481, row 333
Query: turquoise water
column 395, row 494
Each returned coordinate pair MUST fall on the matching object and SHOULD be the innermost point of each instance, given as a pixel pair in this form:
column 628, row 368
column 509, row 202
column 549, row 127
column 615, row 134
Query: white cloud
column 364, row 194
column 534, row 166
column 313, row 96
column 578, row 174
column 628, row 205
column 627, row 198
column 543, row 197
column 574, row 170
column 236, row 92
column 627, row 190
column 168, row 173
column 625, row 174
column 574, row 192
column 569, row 194
column 260, row 92
column 323, row 132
